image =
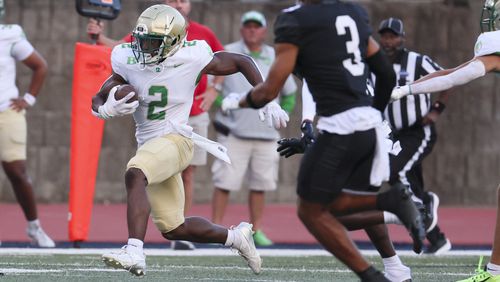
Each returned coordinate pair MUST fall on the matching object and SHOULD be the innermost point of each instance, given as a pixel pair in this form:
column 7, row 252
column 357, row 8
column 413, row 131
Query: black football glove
column 291, row 146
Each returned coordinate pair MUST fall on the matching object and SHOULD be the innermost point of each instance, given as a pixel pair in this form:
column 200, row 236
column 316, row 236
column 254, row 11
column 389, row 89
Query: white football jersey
column 165, row 90
column 13, row 46
column 488, row 43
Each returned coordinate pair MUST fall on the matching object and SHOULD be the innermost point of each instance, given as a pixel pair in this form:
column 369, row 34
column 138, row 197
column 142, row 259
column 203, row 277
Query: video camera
column 99, row 9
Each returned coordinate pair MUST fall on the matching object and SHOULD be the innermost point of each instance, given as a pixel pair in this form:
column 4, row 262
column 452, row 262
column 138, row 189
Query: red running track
column 464, row 226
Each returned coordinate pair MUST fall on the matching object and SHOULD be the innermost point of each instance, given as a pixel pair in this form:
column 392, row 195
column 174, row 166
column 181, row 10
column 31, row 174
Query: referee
column 412, row 119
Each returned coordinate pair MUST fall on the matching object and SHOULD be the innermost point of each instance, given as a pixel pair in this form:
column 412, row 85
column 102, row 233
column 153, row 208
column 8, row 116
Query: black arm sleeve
column 386, row 79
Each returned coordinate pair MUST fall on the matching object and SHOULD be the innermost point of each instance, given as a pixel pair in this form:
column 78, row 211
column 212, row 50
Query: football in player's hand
column 123, row 90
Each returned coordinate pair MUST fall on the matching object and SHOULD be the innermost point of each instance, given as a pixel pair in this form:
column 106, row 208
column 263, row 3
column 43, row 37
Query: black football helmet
column 490, row 17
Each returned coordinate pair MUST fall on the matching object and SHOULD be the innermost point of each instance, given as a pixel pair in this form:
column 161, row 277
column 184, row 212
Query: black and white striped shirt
column 410, row 66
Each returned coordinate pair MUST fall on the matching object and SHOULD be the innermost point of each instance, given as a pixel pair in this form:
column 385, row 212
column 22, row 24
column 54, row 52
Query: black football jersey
column 332, row 38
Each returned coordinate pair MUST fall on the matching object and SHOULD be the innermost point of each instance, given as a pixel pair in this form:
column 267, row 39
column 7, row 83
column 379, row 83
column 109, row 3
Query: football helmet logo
column 159, row 33
column 490, row 17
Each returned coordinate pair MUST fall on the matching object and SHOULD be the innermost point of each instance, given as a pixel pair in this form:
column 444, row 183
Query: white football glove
column 400, row 92
column 231, row 102
column 276, row 117
column 115, row 108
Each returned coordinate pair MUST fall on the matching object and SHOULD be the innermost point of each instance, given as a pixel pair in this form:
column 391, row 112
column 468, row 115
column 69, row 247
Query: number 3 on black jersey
column 355, row 66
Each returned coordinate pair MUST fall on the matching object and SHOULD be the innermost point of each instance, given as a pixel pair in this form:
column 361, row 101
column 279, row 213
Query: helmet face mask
column 490, row 16
column 159, row 33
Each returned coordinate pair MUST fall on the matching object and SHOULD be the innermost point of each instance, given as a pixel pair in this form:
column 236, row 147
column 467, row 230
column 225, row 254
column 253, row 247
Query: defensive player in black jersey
column 329, row 44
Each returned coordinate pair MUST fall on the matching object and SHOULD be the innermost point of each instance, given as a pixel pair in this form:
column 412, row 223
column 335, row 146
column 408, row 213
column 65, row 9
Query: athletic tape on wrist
column 30, row 99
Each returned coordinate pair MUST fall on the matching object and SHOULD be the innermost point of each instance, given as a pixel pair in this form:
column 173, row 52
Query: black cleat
column 440, row 247
column 397, row 200
column 426, row 217
column 182, row 245
column 431, row 207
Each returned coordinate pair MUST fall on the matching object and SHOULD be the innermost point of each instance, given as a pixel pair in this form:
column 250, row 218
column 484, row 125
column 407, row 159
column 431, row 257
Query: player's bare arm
column 283, row 65
column 491, row 62
column 226, row 63
column 105, row 105
column 275, row 116
column 39, row 67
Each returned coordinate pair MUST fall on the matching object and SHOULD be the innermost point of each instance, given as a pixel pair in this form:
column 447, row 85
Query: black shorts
column 335, row 162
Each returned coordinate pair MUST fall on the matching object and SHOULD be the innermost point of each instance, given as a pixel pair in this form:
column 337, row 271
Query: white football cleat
column 39, row 238
column 246, row 247
column 133, row 262
column 398, row 274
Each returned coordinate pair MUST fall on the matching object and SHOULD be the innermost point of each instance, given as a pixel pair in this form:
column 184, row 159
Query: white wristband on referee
column 30, row 99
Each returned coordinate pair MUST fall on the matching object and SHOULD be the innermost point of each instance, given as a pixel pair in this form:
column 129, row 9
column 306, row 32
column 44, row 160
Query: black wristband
column 250, row 102
column 438, row 107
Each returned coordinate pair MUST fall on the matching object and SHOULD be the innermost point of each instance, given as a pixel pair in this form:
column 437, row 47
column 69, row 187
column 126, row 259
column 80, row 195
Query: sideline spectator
column 251, row 143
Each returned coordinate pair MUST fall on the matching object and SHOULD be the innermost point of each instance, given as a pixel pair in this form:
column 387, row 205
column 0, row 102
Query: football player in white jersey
column 486, row 59
column 13, row 134
column 163, row 68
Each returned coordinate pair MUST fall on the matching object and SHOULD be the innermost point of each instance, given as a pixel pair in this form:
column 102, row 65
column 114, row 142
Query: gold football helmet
column 159, row 33
column 490, row 17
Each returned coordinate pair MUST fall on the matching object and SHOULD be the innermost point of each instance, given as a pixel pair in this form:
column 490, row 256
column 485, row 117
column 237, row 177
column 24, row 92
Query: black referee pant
column 416, row 142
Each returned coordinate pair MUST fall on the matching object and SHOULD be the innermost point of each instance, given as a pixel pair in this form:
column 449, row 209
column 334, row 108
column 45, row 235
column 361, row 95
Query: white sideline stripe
column 218, row 252
column 24, row 270
column 169, row 268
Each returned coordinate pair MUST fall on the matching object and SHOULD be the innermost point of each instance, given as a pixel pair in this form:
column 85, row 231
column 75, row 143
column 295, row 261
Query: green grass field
column 219, row 268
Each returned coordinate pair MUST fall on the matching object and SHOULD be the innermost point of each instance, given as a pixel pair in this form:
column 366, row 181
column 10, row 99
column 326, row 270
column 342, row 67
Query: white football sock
column 390, row 218
column 393, row 261
column 135, row 245
column 395, row 270
column 493, row 269
column 34, row 224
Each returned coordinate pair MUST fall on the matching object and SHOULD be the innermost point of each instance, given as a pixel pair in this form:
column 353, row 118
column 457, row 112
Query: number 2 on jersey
column 355, row 67
column 162, row 92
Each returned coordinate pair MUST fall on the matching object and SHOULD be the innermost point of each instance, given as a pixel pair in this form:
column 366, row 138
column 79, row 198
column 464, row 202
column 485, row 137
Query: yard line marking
column 30, row 271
